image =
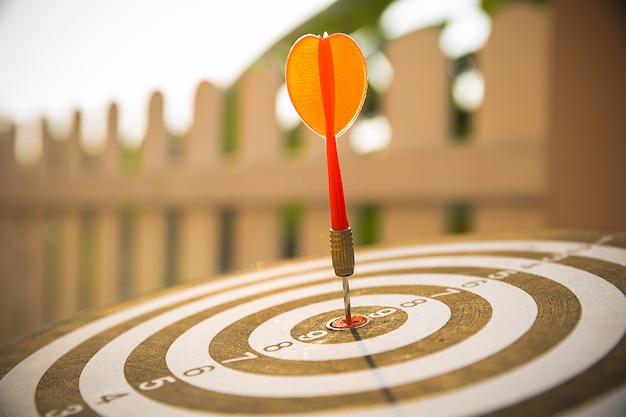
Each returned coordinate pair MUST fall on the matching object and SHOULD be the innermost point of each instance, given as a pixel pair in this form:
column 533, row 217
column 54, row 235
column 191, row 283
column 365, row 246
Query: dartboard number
column 474, row 284
column 312, row 335
column 448, row 291
column 199, row 370
column 70, row 410
column 247, row 356
column 277, row 347
column 156, row 383
column 382, row 312
column 105, row 399
column 413, row 303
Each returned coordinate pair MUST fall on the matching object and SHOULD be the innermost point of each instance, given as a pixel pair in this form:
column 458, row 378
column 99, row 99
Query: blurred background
column 151, row 145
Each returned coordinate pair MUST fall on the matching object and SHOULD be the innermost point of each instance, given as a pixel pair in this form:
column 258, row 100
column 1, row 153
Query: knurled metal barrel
column 342, row 252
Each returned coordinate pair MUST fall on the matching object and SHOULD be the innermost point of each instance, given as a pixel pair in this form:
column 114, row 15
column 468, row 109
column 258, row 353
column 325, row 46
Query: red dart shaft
column 339, row 219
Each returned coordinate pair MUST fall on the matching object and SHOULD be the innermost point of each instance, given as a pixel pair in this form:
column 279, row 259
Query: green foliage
column 131, row 159
column 371, row 106
column 293, row 140
column 230, row 120
column 87, row 259
column 52, row 257
column 368, row 225
column 173, row 219
column 290, row 218
column 226, row 239
column 493, row 6
column 128, row 218
column 458, row 218
column 176, row 148
column 344, row 16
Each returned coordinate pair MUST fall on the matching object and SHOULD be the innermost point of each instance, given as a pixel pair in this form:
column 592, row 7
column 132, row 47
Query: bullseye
column 342, row 323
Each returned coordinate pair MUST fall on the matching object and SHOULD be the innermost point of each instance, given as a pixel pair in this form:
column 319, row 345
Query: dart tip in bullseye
column 340, row 323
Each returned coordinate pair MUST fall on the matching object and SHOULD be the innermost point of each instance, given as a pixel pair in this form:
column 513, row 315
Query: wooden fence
column 79, row 230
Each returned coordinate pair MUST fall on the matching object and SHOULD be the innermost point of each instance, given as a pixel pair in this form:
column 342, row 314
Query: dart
column 326, row 79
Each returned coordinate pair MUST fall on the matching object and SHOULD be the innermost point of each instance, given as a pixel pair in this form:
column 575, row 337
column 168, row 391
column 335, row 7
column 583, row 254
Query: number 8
column 413, row 303
column 279, row 346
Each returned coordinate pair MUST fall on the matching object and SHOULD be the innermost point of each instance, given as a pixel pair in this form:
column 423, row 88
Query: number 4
column 105, row 399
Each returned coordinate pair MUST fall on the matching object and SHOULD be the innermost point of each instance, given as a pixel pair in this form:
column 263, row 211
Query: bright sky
column 59, row 56
column 67, row 54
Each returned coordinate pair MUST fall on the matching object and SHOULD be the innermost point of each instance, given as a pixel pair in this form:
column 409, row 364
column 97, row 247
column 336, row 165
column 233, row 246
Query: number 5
column 156, row 383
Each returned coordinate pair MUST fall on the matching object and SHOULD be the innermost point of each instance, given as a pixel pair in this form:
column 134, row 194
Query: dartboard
column 516, row 325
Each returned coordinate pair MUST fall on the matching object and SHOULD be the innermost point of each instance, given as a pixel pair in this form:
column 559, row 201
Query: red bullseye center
column 342, row 323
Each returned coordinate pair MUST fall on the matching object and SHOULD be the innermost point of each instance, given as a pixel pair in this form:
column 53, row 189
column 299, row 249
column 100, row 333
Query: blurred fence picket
column 78, row 231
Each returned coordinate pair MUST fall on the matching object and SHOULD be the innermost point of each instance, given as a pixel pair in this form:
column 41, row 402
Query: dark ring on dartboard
column 523, row 350
column 468, row 308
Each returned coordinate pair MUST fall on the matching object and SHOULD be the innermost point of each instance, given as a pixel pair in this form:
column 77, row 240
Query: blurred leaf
column 493, row 6
column 345, row 16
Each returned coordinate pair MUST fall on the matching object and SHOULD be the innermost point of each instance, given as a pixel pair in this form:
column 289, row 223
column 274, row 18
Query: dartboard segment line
column 595, row 335
column 522, row 383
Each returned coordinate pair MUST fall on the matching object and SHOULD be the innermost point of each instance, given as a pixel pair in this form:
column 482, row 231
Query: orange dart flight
column 326, row 79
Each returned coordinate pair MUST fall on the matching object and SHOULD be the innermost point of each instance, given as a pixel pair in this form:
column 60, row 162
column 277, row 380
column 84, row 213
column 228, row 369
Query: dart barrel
column 342, row 252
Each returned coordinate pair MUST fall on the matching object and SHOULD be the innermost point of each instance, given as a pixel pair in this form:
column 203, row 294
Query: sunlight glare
column 466, row 29
column 370, row 135
column 70, row 55
column 379, row 71
column 468, row 90
column 465, row 34
column 286, row 114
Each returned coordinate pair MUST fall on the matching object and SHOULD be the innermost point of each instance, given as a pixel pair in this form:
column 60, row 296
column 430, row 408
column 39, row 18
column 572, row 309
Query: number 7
column 247, row 356
column 447, row 292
